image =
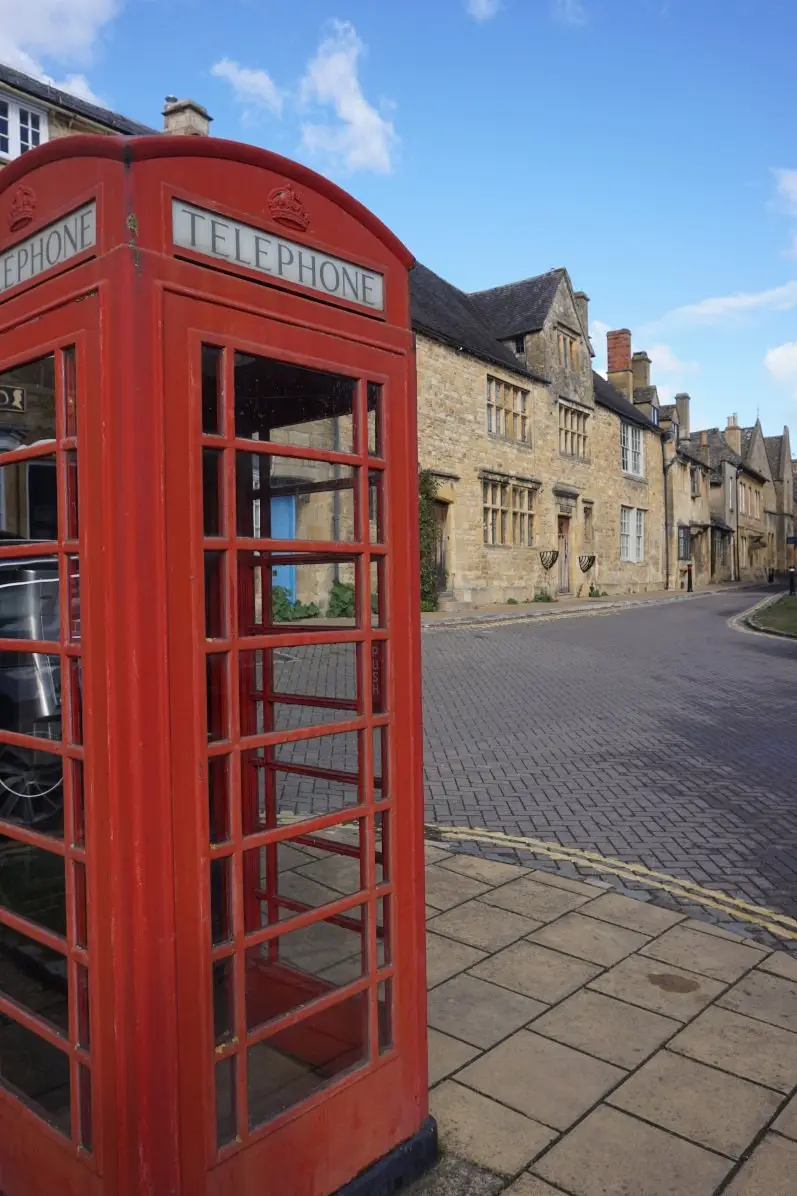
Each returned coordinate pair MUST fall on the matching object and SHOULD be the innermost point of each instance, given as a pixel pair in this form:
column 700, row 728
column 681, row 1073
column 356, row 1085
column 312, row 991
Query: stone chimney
column 640, row 368
column 581, row 300
column 618, row 345
column 682, row 401
column 185, row 118
column 733, row 434
column 704, row 452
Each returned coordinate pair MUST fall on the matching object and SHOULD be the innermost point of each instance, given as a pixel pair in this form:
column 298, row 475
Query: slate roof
column 667, row 411
column 719, row 451
column 645, row 394
column 62, row 99
column 447, row 314
column 774, row 447
column 607, row 395
column 692, row 453
column 518, row 307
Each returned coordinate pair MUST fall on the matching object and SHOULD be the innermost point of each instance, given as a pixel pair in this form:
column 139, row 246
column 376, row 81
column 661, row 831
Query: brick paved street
column 656, row 735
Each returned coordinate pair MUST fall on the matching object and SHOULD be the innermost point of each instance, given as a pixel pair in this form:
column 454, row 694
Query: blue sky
column 646, row 145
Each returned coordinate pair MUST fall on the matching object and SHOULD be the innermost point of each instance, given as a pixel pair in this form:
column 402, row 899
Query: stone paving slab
column 559, row 1069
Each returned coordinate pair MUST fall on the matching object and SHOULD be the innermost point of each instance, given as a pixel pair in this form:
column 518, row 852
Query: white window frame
column 632, row 535
column 16, row 106
column 632, row 449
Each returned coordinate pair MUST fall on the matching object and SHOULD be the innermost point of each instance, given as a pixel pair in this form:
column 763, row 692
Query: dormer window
column 22, row 127
column 520, row 344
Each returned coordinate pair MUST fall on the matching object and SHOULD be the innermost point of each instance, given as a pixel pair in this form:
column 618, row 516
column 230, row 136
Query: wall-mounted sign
column 51, row 246
column 12, row 398
column 241, row 245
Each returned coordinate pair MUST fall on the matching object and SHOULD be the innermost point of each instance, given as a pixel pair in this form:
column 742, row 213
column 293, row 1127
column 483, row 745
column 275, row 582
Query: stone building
column 32, row 112
column 549, row 478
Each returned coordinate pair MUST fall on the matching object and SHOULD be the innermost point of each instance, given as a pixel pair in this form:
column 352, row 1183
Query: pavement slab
column 536, row 971
column 485, row 1132
column 589, row 939
column 484, row 926
column 446, row 1055
column 534, row 900
column 446, row 958
column 709, row 955
column 768, row 998
column 742, row 1046
column 608, row 1029
column 770, row 1170
column 632, row 914
column 661, row 987
column 477, row 1012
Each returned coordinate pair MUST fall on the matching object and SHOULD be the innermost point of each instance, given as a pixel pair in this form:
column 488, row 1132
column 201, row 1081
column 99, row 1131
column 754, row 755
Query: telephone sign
column 12, row 398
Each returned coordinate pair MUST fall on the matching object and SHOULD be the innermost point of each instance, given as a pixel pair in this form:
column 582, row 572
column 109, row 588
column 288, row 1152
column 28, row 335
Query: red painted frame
column 138, row 314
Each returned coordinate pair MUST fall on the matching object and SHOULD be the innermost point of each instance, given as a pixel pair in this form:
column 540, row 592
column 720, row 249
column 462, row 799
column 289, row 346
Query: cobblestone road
column 655, row 735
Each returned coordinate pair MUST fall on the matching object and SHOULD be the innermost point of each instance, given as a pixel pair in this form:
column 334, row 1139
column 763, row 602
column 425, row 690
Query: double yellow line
column 777, row 924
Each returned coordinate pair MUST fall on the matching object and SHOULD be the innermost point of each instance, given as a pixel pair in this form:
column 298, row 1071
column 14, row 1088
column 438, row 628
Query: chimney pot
column 185, row 118
column 618, row 346
column 682, row 402
column 640, row 365
column 704, row 439
column 581, row 300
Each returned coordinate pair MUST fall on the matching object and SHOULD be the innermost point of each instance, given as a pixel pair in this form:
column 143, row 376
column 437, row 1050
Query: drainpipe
column 736, row 538
column 666, row 467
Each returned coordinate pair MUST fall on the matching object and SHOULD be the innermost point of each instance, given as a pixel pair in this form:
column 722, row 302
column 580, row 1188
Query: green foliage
column 285, row 610
column 541, row 594
column 427, row 529
column 512, row 602
column 341, row 600
column 596, row 592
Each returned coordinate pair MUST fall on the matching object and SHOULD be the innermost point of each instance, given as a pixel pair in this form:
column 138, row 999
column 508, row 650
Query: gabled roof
column 690, row 452
column 518, row 307
column 447, row 314
column 646, row 394
column 609, row 396
column 720, row 451
column 667, row 411
column 55, row 98
column 774, row 447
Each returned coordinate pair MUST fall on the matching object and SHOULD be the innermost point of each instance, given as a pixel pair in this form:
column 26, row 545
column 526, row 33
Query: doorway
column 564, row 554
column 441, row 545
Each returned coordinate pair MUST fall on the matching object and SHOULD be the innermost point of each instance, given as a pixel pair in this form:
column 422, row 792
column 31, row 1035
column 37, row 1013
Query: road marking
column 778, row 924
column 739, row 622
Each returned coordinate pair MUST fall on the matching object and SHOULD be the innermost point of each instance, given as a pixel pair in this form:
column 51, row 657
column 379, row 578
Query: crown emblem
column 286, row 207
column 23, row 207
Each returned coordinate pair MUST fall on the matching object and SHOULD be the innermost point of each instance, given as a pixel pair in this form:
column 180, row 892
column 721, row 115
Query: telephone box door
column 289, row 477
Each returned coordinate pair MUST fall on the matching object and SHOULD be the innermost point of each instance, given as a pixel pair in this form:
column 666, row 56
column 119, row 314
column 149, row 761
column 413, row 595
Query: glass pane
column 32, row 884
column 223, row 1000
column 384, row 953
column 74, row 666
column 288, row 404
column 379, row 688
column 72, row 508
column 295, row 968
column 226, row 1116
column 297, row 686
column 294, row 1063
column 215, row 595
column 78, row 804
column 31, row 790
column 219, row 798
column 83, row 1008
column 36, row 1073
column 385, row 1015
column 30, row 694
column 73, row 585
column 70, row 392
column 281, row 880
column 375, row 419
column 217, row 696
column 220, row 900
column 289, row 498
column 28, row 499
column 27, row 404
column 308, row 592
column 86, row 1125
column 81, row 907
column 377, row 603
column 35, row 977
column 212, row 360
column 213, row 491
column 302, row 779
column 381, row 790
column 382, row 847
column 376, row 510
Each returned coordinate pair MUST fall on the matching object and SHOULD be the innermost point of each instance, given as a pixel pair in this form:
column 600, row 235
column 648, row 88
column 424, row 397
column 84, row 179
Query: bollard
column 792, row 581
column 689, row 586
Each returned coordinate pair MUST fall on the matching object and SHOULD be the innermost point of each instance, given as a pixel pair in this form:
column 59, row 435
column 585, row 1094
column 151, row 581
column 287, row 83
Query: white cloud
column 782, row 365
column 570, row 12
column 726, row 307
column 597, row 334
column 786, row 201
column 483, row 10
column 361, row 138
column 665, row 361
column 254, row 88
column 64, row 31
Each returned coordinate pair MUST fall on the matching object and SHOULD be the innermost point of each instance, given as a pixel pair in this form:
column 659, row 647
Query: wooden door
column 564, row 554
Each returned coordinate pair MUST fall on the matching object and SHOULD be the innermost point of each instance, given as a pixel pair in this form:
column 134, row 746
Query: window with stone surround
column 694, row 479
column 684, row 544
column 632, row 535
column 22, row 128
column 508, row 411
column 631, row 449
column 495, row 511
column 572, row 431
column 522, row 516
column 569, row 356
column 588, row 523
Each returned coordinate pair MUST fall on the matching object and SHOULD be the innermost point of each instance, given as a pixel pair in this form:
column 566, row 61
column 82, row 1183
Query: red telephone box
column 211, row 856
